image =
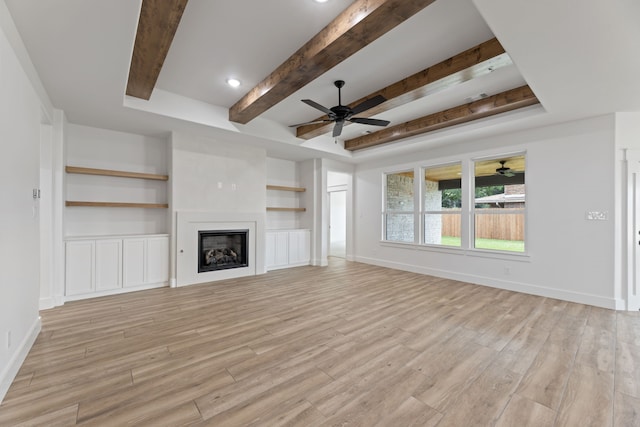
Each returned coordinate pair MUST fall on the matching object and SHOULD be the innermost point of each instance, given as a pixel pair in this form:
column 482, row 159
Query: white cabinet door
column 281, row 252
column 277, row 247
column 133, row 262
column 79, row 274
column 108, row 264
column 157, row 260
column 305, row 246
column 299, row 246
column 270, row 247
column 294, row 247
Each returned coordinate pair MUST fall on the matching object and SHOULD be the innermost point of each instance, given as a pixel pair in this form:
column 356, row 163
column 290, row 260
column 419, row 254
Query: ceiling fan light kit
column 342, row 113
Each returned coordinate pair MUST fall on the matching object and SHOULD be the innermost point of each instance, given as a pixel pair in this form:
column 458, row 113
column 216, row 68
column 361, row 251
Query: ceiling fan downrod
column 339, row 84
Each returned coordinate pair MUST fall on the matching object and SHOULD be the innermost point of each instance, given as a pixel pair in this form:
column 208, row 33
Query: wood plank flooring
column 349, row 344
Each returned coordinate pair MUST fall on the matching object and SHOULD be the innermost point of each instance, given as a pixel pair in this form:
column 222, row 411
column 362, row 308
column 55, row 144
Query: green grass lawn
column 498, row 245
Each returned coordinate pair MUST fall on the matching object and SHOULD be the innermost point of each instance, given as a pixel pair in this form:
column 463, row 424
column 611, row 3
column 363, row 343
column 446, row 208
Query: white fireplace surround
column 187, row 226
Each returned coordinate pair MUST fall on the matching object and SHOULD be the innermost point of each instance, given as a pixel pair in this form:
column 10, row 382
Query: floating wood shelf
column 283, row 188
column 270, row 208
column 122, row 174
column 118, row 204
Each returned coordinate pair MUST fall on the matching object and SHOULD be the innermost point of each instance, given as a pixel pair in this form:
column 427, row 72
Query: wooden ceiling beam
column 357, row 26
column 157, row 25
column 477, row 61
column 506, row 101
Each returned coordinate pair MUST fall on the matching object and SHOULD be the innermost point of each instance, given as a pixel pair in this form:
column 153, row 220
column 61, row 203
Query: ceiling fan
column 504, row 171
column 342, row 113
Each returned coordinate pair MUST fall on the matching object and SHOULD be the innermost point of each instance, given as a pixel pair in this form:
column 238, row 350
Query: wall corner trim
column 11, row 370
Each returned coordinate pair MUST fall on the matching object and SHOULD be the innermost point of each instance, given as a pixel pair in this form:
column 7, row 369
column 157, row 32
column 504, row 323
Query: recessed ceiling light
column 233, row 82
column 320, row 1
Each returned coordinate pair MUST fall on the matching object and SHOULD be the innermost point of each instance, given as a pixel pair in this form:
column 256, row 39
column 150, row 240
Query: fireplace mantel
column 188, row 224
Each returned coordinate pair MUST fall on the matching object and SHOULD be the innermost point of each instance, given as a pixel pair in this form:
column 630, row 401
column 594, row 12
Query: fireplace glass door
column 222, row 249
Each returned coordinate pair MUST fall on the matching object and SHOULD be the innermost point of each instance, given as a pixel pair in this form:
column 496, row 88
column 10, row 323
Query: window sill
column 452, row 250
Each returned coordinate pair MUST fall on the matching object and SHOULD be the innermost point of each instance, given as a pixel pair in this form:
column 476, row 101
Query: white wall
column 21, row 113
column 570, row 170
column 107, row 149
column 212, row 176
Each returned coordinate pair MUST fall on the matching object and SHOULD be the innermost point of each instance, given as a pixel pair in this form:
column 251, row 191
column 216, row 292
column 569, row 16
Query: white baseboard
column 116, row 291
column 582, row 298
column 46, row 303
column 11, row 370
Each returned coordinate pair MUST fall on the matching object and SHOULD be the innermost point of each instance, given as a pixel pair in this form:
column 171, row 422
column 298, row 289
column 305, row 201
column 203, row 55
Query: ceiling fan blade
column 318, row 106
column 368, row 104
column 311, row 123
column 366, row 121
column 337, row 129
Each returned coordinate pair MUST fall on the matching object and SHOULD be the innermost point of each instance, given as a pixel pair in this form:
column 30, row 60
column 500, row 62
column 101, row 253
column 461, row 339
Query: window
column 471, row 204
column 442, row 205
column 398, row 215
column 499, row 205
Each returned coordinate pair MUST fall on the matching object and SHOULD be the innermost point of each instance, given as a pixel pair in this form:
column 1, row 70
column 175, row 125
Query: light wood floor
column 349, row 344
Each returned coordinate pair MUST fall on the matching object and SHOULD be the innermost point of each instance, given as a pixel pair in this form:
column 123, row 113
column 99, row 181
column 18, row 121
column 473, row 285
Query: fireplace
column 188, row 246
column 222, row 249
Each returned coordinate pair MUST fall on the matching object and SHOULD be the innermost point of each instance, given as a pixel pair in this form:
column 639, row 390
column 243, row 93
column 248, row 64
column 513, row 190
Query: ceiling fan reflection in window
column 504, row 170
column 342, row 113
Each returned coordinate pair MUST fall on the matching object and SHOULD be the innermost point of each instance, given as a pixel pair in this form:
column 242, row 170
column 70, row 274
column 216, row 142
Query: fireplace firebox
column 222, row 249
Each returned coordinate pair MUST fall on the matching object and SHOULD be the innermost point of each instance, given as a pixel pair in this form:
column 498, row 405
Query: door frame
column 633, row 230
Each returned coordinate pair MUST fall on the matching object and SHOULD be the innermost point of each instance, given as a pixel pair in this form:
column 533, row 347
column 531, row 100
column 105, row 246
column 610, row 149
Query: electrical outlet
column 597, row 216
column 8, row 339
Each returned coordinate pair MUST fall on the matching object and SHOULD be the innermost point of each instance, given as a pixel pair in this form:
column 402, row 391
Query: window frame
column 467, row 212
column 472, row 206
column 386, row 211
column 423, row 212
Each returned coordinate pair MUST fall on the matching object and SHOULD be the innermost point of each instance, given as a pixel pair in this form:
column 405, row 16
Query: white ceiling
column 579, row 57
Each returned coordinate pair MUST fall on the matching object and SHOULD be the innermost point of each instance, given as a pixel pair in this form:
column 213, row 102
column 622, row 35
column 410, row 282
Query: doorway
column 338, row 224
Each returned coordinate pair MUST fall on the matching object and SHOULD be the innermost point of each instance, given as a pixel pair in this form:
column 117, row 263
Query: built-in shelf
column 121, row 174
column 118, row 204
column 283, row 188
column 272, row 208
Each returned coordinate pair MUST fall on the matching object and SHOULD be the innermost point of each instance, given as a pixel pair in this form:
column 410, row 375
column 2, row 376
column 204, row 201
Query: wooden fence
column 490, row 224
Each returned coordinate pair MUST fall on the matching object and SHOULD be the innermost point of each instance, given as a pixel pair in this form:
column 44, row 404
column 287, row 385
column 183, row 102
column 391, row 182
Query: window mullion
column 468, row 189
